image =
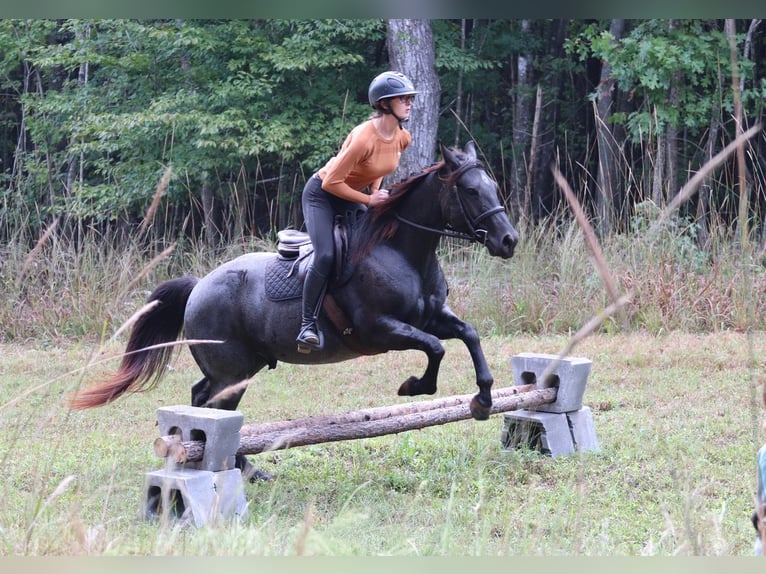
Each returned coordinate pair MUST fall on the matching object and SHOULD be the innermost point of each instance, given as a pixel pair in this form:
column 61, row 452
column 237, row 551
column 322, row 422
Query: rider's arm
column 375, row 185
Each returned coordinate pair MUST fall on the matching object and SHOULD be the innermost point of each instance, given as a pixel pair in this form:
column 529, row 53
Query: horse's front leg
column 446, row 325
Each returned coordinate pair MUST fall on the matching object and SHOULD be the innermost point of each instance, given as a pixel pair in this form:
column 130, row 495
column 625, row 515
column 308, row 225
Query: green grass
column 677, row 418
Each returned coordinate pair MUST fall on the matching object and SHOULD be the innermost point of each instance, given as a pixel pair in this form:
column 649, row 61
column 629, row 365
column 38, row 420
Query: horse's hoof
column 259, row 475
column 406, row 388
column 478, row 411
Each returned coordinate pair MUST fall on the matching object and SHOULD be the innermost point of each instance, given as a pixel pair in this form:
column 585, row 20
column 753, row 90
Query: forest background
column 94, row 112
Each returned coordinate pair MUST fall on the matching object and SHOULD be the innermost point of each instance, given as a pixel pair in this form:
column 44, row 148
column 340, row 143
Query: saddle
column 286, row 273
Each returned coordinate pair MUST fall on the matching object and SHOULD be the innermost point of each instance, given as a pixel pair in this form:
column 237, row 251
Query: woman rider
column 371, row 151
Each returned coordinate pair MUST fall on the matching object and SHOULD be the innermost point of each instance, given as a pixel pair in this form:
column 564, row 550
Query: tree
column 609, row 143
column 523, row 115
column 670, row 71
column 410, row 46
column 552, row 111
column 242, row 110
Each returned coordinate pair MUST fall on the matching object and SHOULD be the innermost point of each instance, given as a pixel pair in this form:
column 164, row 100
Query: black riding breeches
column 319, row 211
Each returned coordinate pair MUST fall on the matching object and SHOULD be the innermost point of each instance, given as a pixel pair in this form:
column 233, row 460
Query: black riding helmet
column 389, row 85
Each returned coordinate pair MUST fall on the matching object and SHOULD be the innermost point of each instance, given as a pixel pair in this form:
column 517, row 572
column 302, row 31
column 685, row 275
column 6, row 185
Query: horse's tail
column 147, row 352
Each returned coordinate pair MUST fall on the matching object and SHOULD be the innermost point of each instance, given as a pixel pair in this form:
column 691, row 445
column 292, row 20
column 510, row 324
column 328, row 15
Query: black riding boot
column 313, row 293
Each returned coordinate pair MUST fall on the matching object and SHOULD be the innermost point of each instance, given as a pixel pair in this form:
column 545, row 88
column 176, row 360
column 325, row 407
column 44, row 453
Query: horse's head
column 471, row 203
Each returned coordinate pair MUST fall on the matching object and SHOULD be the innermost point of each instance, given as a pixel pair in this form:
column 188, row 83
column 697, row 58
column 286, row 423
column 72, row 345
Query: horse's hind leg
column 201, row 397
column 200, row 392
column 426, row 384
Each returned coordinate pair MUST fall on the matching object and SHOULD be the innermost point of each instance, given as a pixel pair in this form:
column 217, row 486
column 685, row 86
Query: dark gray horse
column 392, row 297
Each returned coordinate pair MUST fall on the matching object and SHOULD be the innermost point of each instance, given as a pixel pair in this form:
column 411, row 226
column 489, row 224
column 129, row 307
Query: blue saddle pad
column 284, row 279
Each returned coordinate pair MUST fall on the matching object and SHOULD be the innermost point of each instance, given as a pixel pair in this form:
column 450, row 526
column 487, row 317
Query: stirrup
column 309, row 339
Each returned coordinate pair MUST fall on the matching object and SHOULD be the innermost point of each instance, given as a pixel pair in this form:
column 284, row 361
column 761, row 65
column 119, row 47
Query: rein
column 477, row 234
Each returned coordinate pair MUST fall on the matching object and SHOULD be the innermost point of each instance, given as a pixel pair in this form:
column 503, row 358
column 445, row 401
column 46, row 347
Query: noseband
column 476, row 233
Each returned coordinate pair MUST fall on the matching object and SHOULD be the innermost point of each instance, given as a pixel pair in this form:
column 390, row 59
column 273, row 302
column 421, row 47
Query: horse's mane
column 381, row 223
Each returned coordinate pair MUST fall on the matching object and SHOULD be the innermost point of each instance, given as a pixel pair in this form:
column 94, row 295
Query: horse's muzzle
column 504, row 245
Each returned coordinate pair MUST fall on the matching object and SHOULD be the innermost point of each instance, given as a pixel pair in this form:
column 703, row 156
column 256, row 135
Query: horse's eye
column 471, row 190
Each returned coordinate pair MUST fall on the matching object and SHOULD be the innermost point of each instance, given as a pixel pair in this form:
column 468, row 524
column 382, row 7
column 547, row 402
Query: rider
column 371, row 151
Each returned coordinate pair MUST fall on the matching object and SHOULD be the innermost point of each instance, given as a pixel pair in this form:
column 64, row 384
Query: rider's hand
column 378, row 196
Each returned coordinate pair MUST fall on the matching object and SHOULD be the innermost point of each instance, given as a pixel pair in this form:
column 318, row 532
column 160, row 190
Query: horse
column 391, row 297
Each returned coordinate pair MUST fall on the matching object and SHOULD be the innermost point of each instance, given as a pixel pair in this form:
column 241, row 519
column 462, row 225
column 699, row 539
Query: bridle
column 476, row 233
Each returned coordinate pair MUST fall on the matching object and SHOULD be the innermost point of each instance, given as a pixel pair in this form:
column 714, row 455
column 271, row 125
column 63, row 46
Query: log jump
column 364, row 423
column 199, row 482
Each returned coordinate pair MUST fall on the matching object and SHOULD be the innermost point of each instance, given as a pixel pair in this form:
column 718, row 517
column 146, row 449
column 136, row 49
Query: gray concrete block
column 547, row 432
column 555, row 434
column 570, row 376
column 583, row 430
column 219, row 428
column 196, row 497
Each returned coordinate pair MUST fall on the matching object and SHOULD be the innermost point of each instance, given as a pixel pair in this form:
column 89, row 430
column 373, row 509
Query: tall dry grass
column 61, row 289
column 83, row 283
column 75, row 282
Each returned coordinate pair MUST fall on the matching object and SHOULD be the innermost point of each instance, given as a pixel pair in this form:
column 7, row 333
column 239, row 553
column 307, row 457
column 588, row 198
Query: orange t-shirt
column 364, row 158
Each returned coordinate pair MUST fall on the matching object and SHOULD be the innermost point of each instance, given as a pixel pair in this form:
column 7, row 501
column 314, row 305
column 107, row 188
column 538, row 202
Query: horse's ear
column 448, row 154
column 470, row 149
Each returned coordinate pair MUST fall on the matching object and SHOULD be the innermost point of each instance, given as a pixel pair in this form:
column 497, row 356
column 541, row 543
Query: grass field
column 677, row 416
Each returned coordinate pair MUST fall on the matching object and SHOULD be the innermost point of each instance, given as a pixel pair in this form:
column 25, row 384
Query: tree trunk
column 17, row 170
column 546, row 153
column 747, row 55
column 658, row 196
column 531, row 165
column 459, row 94
column 703, row 199
column 522, row 130
column 411, row 51
column 744, row 194
column 75, row 170
column 746, row 51
column 208, row 210
column 608, row 146
column 671, row 132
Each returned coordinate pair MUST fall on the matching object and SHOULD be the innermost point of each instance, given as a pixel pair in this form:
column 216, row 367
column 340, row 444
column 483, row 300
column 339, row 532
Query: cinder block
column 217, row 427
column 196, row 497
column 570, row 376
column 547, row 432
column 583, row 430
column 555, row 434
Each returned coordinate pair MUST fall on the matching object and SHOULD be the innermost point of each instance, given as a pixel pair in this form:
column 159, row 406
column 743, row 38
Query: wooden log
column 354, row 425
column 171, row 446
column 302, row 436
column 376, row 413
